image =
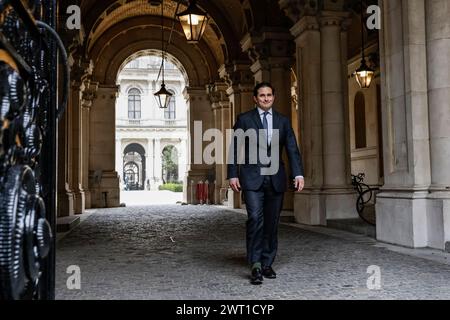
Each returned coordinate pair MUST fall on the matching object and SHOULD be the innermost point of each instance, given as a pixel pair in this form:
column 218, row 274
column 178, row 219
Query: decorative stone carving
column 217, row 94
column 89, row 94
column 237, row 74
column 296, row 9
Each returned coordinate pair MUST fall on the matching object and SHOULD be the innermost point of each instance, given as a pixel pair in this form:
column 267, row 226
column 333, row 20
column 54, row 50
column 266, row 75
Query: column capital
column 105, row 91
column 88, row 94
column 269, row 42
column 218, row 95
column 237, row 74
column 306, row 23
column 190, row 92
column 334, row 18
column 80, row 69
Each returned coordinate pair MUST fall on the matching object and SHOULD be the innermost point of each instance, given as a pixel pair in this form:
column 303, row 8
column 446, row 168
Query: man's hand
column 235, row 185
column 299, row 183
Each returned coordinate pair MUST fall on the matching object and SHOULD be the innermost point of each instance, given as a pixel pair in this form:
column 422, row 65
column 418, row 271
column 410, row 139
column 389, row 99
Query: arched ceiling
column 225, row 29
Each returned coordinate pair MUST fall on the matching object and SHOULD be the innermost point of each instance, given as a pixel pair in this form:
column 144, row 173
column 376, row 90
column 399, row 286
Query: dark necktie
column 266, row 126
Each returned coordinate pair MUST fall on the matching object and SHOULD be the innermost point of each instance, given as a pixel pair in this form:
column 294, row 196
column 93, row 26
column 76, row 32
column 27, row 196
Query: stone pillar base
column 340, row 203
column 423, row 217
column 438, row 212
column 309, row 208
column 288, row 201
column 87, row 199
column 65, row 204
column 234, row 200
column 315, row 207
column 105, row 191
column 79, row 202
column 402, row 218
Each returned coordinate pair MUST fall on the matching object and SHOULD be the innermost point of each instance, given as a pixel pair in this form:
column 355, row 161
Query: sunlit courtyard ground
column 141, row 198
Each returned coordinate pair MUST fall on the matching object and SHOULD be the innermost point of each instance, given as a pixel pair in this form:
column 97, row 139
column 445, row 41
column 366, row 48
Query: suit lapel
column 257, row 119
column 275, row 120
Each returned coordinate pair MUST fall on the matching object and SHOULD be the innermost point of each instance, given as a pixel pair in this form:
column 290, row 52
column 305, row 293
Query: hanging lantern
column 364, row 75
column 193, row 21
column 163, row 97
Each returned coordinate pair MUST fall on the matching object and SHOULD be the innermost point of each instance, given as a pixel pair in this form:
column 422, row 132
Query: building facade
column 151, row 142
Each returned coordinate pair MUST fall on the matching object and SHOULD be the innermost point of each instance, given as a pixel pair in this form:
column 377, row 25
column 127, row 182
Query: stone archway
column 134, row 154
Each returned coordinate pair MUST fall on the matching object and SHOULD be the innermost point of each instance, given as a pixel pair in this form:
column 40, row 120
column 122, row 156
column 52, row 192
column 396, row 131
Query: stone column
column 103, row 179
column 88, row 96
column 157, row 158
column 65, row 206
column 401, row 207
column 438, row 51
column 119, row 160
column 339, row 196
column 77, row 147
column 220, row 105
column 150, row 159
column 199, row 109
column 308, row 205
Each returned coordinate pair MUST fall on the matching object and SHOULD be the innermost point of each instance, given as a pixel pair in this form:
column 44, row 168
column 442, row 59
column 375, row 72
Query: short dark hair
column 262, row 85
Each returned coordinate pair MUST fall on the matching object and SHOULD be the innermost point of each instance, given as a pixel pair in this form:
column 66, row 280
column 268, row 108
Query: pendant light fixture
column 162, row 96
column 364, row 74
column 193, row 21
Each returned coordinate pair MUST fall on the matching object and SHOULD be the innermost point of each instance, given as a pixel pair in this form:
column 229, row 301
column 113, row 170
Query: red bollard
column 200, row 192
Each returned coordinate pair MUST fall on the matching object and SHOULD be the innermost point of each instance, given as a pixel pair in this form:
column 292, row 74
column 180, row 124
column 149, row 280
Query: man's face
column 265, row 98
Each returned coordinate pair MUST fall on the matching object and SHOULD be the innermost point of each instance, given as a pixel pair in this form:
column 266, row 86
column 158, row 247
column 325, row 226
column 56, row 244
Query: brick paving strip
column 198, row 252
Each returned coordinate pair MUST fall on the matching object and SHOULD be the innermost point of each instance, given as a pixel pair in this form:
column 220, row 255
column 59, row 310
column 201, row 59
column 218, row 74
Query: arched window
column 169, row 112
column 134, row 104
column 360, row 121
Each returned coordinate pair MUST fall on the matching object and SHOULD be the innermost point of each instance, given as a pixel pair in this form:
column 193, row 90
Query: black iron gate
column 28, row 116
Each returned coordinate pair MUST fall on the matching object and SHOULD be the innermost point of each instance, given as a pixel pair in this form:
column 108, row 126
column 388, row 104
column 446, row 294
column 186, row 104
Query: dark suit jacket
column 249, row 174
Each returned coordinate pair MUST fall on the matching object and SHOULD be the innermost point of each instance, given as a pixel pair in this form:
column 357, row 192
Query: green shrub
column 175, row 187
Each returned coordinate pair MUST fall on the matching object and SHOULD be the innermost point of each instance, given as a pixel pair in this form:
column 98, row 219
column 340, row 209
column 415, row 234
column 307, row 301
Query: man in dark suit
column 262, row 177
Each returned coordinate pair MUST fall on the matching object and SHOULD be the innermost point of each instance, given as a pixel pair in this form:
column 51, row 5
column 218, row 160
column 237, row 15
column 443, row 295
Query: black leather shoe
column 256, row 277
column 268, row 272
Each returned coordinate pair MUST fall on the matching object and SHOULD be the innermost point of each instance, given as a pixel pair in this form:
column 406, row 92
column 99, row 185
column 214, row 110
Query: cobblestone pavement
column 198, row 252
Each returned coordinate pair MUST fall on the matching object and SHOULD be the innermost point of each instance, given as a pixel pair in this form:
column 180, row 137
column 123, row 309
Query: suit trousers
column 263, row 210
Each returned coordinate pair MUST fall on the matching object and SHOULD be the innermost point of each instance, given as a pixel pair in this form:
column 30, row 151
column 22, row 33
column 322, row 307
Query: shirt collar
column 261, row 111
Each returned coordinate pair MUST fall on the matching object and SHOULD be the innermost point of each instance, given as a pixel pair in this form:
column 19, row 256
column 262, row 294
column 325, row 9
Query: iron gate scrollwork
column 28, row 115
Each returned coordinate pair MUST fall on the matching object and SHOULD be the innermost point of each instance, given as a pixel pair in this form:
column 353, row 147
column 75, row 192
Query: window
column 360, row 121
column 134, row 64
column 169, row 113
column 134, row 104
